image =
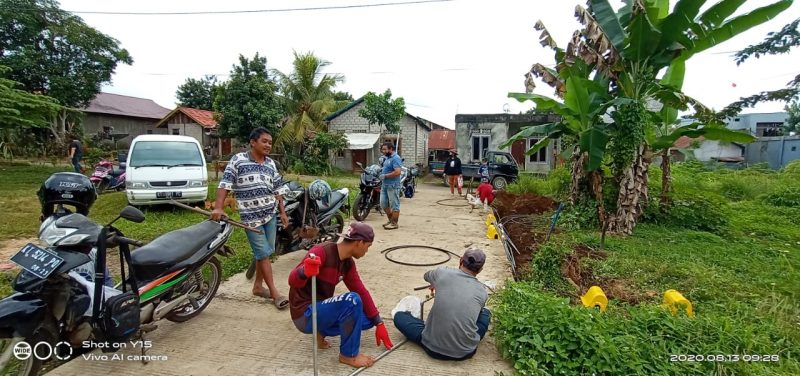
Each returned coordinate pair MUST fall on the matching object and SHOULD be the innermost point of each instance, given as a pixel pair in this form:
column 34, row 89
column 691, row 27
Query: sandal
column 282, row 302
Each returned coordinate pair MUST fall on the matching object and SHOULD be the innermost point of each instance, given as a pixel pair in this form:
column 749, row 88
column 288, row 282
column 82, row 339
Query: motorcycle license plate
column 169, row 194
column 38, row 261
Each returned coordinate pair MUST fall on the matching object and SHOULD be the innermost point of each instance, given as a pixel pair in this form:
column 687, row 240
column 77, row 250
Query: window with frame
column 176, row 131
column 540, row 156
column 479, row 145
column 340, row 153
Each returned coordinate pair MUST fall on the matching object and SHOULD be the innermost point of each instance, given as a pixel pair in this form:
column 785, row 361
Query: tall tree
column 775, row 43
column 793, row 121
column 20, row 109
column 307, row 96
column 342, row 99
column 248, row 100
column 381, row 109
column 198, row 93
column 53, row 52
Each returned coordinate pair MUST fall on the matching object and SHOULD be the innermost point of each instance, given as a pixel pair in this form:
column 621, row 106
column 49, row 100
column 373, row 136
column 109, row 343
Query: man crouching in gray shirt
column 458, row 320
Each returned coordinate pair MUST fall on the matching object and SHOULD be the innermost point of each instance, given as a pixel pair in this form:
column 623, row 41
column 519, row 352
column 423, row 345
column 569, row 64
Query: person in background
column 75, row 155
column 345, row 315
column 391, row 186
column 485, row 193
column 483, row 171
column 458, row 320
column 452, row 169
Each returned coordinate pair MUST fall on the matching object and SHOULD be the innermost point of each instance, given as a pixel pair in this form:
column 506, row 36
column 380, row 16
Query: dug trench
column 527, row 218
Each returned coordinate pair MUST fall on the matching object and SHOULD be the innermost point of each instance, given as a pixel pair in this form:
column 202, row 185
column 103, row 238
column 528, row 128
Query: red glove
column 382, row 335
column 311, row 266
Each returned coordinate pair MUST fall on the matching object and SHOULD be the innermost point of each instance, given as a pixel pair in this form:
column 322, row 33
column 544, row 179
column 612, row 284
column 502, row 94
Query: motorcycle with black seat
column 325, row 214
column 57, row 313
column 370, row 192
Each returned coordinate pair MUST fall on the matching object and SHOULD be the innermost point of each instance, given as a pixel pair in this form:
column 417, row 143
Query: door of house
column 518, row 152
column 359, row 156
column 226, row 146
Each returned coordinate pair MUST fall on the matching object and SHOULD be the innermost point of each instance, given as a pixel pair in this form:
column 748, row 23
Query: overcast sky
column 444, row 58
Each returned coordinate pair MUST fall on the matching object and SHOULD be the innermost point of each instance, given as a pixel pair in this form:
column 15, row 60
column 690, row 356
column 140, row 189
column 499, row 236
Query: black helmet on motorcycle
column 66, row 188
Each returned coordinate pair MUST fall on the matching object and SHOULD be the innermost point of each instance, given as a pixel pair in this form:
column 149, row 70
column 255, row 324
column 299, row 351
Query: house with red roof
column 121, row 117
column 200, row 125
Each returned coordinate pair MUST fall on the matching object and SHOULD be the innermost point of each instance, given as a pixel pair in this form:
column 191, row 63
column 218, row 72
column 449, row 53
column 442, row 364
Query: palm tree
column 308, row 98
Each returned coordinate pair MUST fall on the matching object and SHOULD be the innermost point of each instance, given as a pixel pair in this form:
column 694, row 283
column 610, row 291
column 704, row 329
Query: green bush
column 737, row 189
column 545, row 267
column 792, row 169
column 298, row 167
column 788, row 196
column 582, row 215
column 692, row 210
column 542, row 334
column 555, row 185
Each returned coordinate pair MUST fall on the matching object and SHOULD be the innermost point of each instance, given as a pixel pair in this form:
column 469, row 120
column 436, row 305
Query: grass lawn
column 743, row 280
column 19, row 183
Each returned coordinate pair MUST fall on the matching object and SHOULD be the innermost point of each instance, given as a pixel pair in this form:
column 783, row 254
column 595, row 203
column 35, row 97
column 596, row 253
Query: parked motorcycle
column 410, row 182
column 326, row 215
column 105, row 177
column 174, row 277
column 370, row 192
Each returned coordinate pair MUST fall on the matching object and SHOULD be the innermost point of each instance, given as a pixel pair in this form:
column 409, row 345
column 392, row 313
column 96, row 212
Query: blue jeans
column 342, row 315
column 412, row 328
column 390, row 196
column 76, row 164
column 263, row 245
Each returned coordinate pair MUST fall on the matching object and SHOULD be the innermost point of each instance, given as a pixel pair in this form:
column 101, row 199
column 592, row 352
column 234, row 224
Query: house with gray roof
column 364, row 140
column 121, row 117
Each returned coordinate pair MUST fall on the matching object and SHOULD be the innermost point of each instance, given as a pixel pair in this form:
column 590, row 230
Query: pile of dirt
column 528, row 229
column 583, row 278
column 529, row 203
column 525, row 232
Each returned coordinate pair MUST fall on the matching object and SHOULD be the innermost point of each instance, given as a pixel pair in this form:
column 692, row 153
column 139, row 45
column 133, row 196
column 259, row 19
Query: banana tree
column 634, row 44
column 584, row 103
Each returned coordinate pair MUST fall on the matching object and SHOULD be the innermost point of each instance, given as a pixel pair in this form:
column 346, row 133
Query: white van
column 165, row 167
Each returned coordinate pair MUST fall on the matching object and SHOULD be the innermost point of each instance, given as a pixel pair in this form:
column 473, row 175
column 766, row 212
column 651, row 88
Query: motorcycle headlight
column 50, row 234
column 132, row 185
column 198, row 183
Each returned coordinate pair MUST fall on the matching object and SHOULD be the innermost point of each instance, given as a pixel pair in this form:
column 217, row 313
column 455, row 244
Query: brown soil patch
column 528, row 232
column 582, row 277
column 529, row 203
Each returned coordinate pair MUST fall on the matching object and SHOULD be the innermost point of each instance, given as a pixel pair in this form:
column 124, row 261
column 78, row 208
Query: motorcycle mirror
column 132, row 214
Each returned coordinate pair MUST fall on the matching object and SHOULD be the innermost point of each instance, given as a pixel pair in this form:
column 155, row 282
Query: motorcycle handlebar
column 124, row 240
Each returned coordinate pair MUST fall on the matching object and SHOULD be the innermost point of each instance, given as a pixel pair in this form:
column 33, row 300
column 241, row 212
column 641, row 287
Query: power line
column 187, row 13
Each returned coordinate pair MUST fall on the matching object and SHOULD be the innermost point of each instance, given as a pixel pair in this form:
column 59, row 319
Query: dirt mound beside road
column 528, row 203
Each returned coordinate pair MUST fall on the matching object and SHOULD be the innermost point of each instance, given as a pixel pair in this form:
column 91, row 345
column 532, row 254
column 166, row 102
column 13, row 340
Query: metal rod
column 314, row 320
column 383, row 354
column 208, row 213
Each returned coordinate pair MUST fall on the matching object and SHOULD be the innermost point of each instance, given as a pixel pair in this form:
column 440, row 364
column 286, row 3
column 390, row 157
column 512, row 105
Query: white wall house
column 364, row 140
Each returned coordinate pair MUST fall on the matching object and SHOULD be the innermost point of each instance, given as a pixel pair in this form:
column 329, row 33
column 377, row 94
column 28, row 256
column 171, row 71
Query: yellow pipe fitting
column 490, row 219
column 595, row 298
column 673, row 300
column 491, row 232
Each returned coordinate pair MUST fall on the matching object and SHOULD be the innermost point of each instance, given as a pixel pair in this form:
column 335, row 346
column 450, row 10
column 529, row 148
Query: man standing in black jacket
column 452, row 169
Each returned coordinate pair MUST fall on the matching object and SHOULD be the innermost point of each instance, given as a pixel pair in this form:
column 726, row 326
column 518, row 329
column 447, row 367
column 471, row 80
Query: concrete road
column 239, row 334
